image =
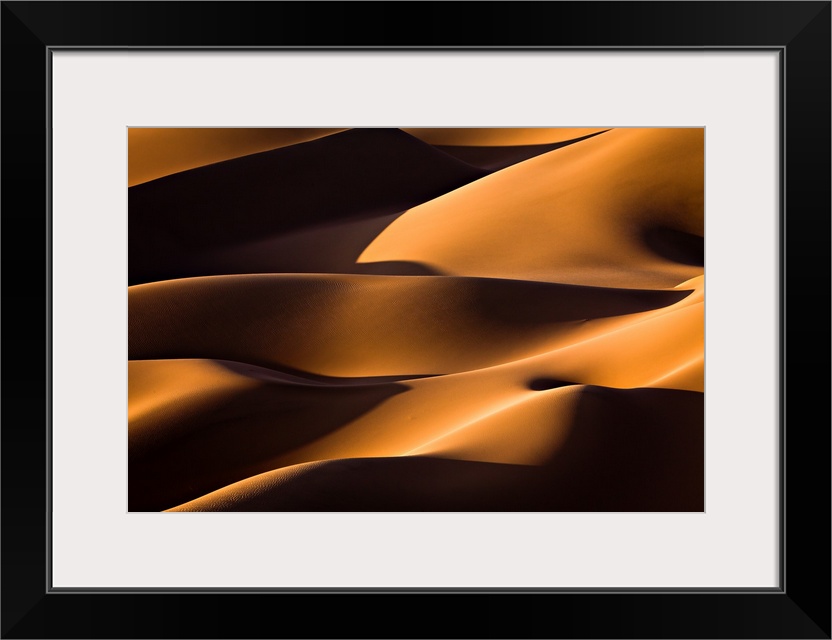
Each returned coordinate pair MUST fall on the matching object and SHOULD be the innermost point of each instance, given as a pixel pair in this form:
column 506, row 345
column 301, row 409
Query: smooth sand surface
column 588, row 213
column 428, row 320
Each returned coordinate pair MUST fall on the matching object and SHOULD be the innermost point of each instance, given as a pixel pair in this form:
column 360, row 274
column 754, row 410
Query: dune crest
column 579, row 215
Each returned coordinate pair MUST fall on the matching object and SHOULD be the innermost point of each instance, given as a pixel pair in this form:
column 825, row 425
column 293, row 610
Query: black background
column 800, row 610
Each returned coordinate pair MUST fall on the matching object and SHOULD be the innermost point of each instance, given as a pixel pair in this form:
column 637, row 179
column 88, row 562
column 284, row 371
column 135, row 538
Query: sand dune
column 637, row 450
column 430, row 320
column 357, row 173
column 351, row 325
column 588, row 213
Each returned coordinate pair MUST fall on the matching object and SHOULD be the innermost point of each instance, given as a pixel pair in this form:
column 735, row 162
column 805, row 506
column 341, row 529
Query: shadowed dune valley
column 416, row 319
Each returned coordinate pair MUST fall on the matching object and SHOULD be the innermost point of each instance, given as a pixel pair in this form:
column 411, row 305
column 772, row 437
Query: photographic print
column 416, row 319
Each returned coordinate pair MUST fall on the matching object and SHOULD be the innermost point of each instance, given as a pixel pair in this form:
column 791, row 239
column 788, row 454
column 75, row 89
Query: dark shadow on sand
column 360, row 172
column 544, row 384
column 496, row 158
column 678, row 246
column 237, row 437
column 630, row 450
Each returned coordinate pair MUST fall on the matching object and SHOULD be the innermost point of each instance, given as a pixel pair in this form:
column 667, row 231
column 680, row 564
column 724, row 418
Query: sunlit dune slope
column 249, row 421
column 633, row 450
column 623, row 209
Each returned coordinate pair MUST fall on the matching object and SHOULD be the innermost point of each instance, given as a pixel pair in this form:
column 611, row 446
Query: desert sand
column 416, row 319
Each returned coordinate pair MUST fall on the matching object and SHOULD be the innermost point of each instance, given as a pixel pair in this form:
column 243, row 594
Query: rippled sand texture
column 416, row 320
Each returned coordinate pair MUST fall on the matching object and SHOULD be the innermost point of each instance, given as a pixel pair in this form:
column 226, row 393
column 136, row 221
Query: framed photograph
column 360, row 305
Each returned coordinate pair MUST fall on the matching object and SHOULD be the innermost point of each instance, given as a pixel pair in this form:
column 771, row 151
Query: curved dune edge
column 385, row 320
column 494, row 158
column 178, row 222
column 417, row 325
column 155, row 152
column 499, row 136
column 583, row 214
column 608, row 461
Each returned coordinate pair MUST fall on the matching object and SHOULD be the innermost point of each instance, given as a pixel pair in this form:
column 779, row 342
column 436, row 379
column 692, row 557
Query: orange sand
column 428, row 320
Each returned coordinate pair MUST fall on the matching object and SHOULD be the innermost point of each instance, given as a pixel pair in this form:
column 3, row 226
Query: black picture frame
column 799, row 608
